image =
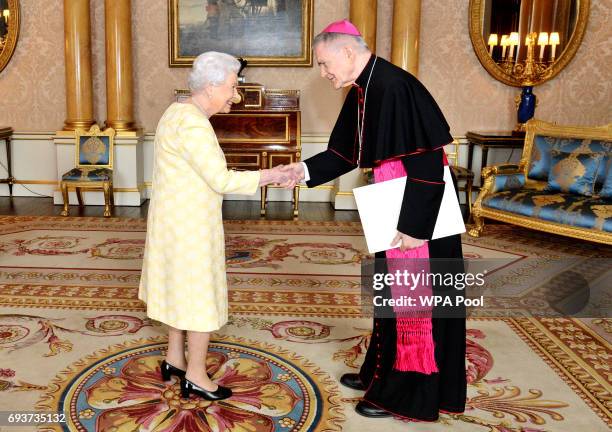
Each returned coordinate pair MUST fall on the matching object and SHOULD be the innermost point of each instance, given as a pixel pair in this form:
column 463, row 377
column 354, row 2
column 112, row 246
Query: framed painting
column 264, row 32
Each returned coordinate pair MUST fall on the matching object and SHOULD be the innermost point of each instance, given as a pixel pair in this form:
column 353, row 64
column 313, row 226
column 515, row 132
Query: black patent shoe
column 188, row 388
column 167, row 370
column 353, row 381
column 366, row 409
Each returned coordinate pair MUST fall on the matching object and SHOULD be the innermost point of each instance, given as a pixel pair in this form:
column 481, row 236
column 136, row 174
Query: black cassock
column 402, row 120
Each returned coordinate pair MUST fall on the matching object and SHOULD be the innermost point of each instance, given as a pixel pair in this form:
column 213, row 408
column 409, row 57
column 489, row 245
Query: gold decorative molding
column 41, row 182
column 149, row 184
column 135, row 132
column 475, row 28
column 546, row 226
column 320, row 187
column 175, row 59
column 141, row 187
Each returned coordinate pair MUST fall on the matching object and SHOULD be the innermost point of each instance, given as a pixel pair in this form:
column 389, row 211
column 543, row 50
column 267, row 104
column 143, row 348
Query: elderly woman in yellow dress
column 183, row 278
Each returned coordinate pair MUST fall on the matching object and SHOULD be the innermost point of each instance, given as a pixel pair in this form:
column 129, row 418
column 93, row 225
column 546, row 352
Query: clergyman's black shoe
column 188, row 388
column 366, row 409
column 168, row 370
column 352, row 380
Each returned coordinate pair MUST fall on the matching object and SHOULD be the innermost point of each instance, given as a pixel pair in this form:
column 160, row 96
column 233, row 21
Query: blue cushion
column 573, row 172
column 94, row 150
column 604, row 147
column 539, row 165
column 606, row 189
column 505, row 182
column 567, row 209
column 80, row 174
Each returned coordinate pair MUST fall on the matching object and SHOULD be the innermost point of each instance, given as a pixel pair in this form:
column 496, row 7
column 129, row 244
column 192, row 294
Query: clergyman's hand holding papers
column 379, row 208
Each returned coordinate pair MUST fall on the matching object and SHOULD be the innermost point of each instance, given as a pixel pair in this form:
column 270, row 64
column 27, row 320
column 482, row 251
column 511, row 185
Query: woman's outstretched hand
column 276, row 176
column 286, row 176
column 295, row 173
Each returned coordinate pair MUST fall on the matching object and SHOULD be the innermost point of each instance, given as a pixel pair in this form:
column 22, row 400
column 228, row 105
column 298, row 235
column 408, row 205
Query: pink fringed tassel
column 415, row 347
column 414, row 343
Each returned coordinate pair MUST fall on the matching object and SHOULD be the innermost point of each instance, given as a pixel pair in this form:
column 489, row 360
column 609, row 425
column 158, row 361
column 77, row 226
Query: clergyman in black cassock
column 389, row 115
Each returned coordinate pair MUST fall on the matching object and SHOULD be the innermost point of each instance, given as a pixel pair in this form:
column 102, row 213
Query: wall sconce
column 504, row 44
column 513, row 40
column 492, row 43
column 553, row 41
column 542, row 41
column 6, row 13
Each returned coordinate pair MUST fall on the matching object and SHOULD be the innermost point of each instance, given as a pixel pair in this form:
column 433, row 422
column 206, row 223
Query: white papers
column 379, row 208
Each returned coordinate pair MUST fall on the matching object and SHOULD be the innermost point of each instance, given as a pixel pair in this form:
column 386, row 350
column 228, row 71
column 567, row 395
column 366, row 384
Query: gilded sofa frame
column 533, row 128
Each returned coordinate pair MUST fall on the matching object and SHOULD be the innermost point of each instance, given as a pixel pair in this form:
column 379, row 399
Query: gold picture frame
column 475, row 23
column 9, row 31
column 242, row 28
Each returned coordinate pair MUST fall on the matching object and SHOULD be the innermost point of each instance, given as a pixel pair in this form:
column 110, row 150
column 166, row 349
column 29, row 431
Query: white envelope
column 379, row 207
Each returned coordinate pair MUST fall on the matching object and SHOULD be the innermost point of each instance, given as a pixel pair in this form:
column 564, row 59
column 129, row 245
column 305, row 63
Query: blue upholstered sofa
column 562, row 185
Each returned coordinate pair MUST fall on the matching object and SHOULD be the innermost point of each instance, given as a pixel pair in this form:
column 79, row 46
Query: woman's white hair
column 211, row 68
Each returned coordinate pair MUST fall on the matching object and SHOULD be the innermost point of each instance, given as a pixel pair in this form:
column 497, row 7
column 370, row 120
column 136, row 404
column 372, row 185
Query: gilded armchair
column 94, row 167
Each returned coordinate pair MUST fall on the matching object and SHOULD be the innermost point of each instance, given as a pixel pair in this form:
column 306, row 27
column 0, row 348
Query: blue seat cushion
column 82, row 174
column 568, row 209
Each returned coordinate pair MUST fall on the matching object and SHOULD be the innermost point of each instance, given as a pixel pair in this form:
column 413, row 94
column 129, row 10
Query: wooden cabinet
column 259, row 139
column 261, row 131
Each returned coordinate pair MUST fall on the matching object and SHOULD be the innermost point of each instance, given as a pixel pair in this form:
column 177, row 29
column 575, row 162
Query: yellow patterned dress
column 183, row 278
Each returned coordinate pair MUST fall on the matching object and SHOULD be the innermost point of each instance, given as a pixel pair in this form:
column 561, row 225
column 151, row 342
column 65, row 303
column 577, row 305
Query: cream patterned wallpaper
column 32, row 85
column 471, row 99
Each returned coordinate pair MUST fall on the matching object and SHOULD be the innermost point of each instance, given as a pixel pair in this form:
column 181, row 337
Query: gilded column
column 406, row 29
column 363, row 15
column 77, row 58
column 119, row 89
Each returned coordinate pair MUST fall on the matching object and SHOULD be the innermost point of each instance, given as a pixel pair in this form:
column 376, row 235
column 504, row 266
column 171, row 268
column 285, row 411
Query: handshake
column 286, row 176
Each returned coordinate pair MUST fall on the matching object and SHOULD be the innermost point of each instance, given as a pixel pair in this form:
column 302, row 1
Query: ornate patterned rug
column 74, row 339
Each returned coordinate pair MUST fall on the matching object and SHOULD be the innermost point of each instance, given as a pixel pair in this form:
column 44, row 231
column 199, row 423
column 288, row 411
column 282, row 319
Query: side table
column 5, row 135
column 491, row 139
